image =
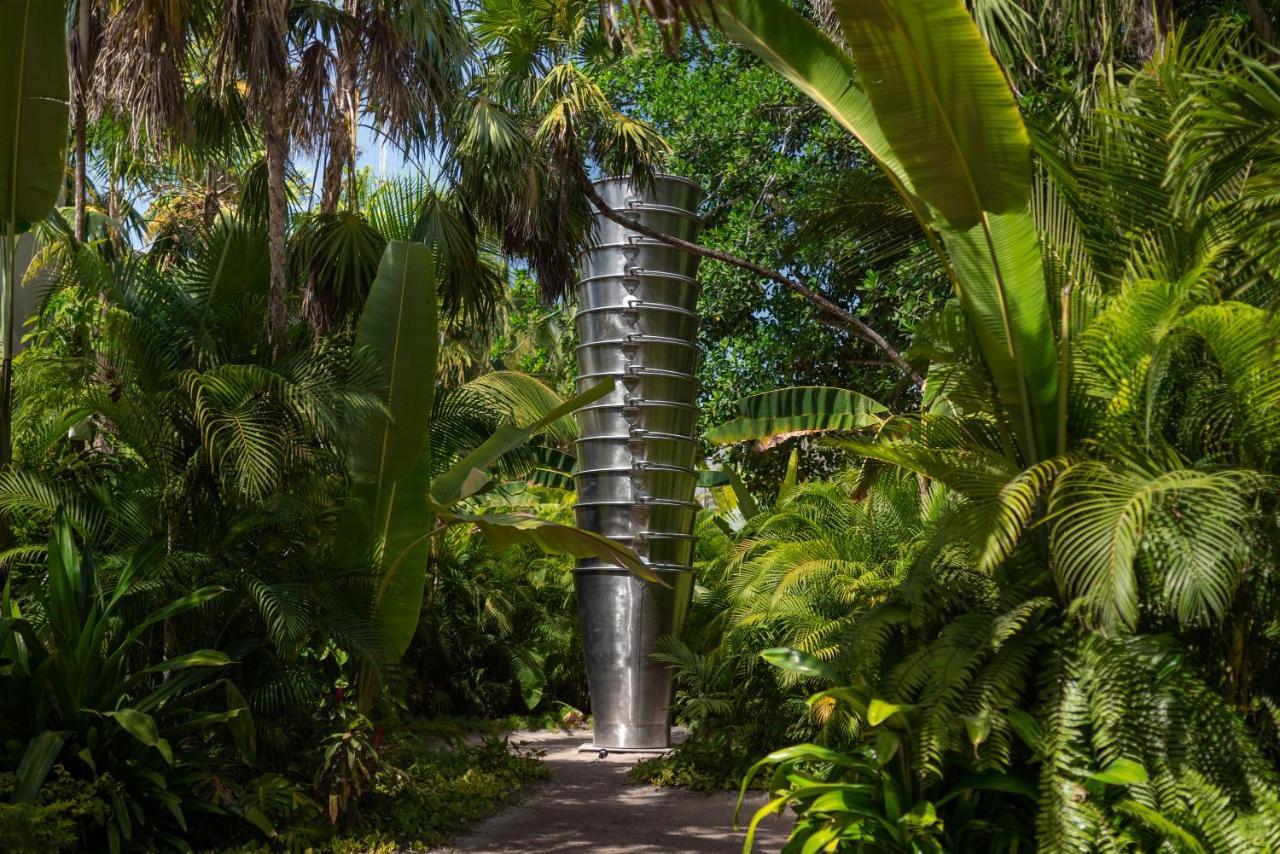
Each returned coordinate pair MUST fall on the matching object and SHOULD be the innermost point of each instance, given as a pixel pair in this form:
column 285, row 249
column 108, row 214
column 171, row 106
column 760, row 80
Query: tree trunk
column 1152, row 23
column 8, row 281
column 1261, row 21
column 212, row 202
column 340, row 157
column 277, row 139
column 83, row 69
column 81, row 182
column 344, row 115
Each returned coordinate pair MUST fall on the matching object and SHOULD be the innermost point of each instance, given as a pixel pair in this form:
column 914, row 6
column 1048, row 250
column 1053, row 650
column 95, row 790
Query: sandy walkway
column 590, row 805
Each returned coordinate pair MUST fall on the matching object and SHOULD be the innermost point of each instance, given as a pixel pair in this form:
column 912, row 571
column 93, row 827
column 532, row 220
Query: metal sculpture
column 637, row 324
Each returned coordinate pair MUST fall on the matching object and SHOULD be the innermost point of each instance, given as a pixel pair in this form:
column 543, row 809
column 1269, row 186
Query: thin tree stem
column 824, row 305
column 8, row 274
column 84, row 33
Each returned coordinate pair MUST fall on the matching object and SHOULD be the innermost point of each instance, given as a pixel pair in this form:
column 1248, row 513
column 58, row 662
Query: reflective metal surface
column 647, row 287
column 617, row 354
column 622, row 619
column 638, row 482
column 604, row 452
column 637, row 454
column 667, row 191
column 638, row 318
column 624, row 520
column 664, row 218
column 658, row 415
column 634, row 255
column 642, row 383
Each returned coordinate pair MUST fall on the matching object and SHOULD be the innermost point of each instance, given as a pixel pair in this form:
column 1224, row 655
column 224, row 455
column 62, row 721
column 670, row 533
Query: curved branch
column 825, row 306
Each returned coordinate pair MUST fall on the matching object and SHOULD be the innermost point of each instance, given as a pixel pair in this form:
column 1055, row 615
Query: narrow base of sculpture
column 592, row 747
column 622, row 618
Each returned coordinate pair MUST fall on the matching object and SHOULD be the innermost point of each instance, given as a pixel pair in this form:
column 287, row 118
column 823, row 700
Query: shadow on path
column 590, row 804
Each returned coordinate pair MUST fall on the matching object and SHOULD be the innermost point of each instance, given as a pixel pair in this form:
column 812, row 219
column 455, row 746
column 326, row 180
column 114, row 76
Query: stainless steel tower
column 637, row 324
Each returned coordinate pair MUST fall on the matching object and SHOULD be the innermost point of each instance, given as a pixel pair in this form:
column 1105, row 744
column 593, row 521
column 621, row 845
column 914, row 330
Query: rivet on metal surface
column 636, row 445
column 638, row 483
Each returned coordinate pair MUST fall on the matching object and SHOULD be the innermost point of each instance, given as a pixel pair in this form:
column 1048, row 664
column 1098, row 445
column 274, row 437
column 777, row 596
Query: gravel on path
column 590, row 805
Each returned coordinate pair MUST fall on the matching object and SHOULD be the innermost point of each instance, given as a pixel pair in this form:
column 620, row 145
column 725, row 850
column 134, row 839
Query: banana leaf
column 389, row 518
column 33, row 109
column 775, row 416
column 942, row 103
column 942, row 123
column 799, row 51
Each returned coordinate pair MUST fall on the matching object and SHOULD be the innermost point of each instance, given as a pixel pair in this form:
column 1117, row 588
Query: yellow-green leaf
column 943, row 104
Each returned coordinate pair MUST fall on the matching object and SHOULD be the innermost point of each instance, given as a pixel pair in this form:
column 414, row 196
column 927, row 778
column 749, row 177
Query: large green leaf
column 199, row 658
column 1000, row 277
column 467, row 476
column 506, row 530
column 390, row 517
column 34, row 766
column 525, row 398
column 774, row 416
column 33, row 108
column 734, row 502
column 400, row 323
column 798, row 661
column 1121, row 772
column 946, row 110
column 400, row 546
column 922, row 92
column 552, row 469
column 942, row 103
column 143, row 727
column 799, row 51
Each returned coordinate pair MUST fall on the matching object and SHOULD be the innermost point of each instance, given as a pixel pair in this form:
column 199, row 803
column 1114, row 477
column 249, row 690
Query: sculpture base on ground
column 604, row 751
column 623, row 617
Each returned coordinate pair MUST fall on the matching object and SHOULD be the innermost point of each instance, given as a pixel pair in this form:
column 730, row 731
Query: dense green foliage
column 289, row 493
column 786, row 187
column 1058, row 633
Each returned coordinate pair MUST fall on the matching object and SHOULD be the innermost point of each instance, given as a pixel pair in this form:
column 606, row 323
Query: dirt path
column 590, row 805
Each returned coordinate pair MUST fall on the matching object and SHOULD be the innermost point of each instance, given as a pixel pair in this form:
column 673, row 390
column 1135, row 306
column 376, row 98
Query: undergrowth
column 424, row 794
column 708, row 761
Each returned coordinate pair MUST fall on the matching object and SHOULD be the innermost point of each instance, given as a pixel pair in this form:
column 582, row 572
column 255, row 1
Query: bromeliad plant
column 78, row 691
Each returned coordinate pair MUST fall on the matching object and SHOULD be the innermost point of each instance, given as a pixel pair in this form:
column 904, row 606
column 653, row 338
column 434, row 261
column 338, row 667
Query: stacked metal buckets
column 637, row 325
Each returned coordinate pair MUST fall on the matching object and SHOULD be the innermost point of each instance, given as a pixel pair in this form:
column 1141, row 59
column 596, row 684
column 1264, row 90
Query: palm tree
column 251, row 42
column 82, row 47
column 308, row 72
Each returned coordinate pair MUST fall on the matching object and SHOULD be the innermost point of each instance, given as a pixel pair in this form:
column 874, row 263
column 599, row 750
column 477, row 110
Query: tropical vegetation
column 990, row 428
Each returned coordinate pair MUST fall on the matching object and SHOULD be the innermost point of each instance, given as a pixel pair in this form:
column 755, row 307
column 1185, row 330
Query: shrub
column 439, row 793
column 709, row 761
column 57, row 820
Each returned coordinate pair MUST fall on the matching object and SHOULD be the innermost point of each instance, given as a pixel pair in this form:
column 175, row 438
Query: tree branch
column 845, row 319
